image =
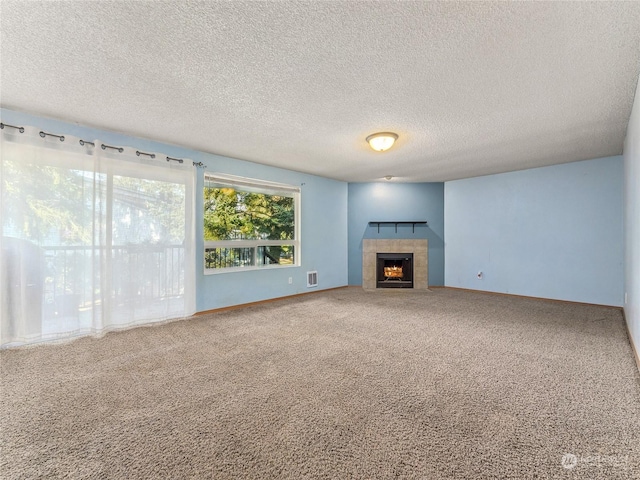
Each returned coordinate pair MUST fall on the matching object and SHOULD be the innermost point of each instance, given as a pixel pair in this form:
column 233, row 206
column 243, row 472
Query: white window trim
column 263, row 186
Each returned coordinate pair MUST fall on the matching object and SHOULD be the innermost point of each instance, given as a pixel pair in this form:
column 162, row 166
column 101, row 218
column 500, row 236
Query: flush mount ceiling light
column 382, row 141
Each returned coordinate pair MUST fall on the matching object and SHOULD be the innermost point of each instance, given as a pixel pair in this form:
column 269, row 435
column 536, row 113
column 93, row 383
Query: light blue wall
column 396, row 201
column 553, row 232
column 632, row 222
column 324, row 220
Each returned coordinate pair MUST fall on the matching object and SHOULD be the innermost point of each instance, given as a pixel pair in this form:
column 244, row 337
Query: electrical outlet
column 480, row 275
column 290, row 280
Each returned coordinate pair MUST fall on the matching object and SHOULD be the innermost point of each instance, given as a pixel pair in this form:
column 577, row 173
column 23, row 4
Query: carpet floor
column 343, row 384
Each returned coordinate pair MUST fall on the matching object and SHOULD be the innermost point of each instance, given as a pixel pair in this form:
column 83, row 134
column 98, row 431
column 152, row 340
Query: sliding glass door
column 93, row 238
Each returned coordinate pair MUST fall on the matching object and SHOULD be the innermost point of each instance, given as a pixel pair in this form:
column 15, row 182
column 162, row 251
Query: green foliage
column 232, row 214
column 154, row 210
column 60, row 206
column 41, row 201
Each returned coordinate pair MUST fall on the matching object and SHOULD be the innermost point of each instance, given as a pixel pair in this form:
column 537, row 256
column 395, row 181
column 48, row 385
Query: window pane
column 147, row 211
column 48, row 245
column 228, row 257
column 276, row 255
column 233, row 214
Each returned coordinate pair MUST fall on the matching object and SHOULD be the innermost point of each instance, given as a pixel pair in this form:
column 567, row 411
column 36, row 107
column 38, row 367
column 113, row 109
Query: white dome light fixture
column 382, row 141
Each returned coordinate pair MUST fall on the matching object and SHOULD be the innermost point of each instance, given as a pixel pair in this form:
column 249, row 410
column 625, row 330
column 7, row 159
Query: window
column 249, row 224
column 92, row 239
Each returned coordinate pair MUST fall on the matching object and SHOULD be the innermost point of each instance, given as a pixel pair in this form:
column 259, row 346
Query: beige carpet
column 340, row 384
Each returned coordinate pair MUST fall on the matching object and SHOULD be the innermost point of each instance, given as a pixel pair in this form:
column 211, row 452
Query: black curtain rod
column 45, row 134
column 20, row 129
column 152, row 155
column 104, row 146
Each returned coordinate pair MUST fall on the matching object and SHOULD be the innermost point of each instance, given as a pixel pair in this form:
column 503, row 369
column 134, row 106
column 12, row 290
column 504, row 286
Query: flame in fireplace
column 393, row 272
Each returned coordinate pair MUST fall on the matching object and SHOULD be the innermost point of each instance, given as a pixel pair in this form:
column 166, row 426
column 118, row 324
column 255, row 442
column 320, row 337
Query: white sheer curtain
column 93, row 238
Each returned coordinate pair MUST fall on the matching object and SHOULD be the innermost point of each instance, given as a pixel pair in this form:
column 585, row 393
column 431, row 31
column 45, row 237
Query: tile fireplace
column 394, row 254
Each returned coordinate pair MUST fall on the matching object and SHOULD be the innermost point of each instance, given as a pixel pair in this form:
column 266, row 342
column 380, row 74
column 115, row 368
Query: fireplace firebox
column 394, row 270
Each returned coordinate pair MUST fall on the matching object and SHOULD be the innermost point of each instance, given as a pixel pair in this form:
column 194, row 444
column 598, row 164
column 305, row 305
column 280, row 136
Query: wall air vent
column 312, row 279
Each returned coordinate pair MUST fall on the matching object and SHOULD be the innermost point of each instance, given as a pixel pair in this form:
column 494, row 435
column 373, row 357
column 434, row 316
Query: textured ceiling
column 472, row 88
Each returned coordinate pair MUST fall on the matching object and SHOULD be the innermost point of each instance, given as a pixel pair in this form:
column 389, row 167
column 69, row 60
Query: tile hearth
column 419, row 248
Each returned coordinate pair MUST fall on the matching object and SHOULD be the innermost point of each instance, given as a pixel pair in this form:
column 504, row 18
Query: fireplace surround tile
column 419, row 248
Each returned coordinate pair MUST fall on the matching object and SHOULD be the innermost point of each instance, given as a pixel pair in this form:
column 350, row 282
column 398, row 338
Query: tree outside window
column 249, row 224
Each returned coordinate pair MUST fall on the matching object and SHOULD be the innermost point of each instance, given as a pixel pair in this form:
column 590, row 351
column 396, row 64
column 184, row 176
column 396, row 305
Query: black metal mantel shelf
column 392, row 222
